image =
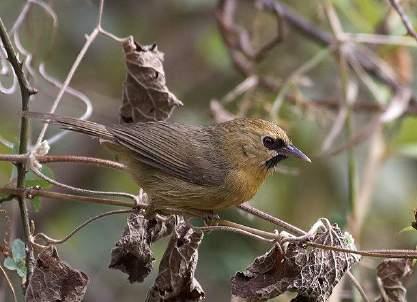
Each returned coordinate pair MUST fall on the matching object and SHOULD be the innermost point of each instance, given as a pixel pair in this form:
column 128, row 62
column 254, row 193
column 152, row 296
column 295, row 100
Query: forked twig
column 90, row 39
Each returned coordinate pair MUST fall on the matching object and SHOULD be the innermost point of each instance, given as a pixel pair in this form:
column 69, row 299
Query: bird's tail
column 73, row 124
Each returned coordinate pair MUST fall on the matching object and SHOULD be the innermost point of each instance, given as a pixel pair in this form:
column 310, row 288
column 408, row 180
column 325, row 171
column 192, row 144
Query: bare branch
column 84, row 191
column 19, row 158
column 50, row 241
column 33, row 192
column 90, row 39
column 407, row 24
column 26, row 91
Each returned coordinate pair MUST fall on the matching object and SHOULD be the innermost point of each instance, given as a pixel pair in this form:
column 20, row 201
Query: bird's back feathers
column 179, row 150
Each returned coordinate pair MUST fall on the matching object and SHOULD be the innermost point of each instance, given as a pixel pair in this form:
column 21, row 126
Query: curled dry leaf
column 175, row 281
column 310, row 272
column 54, row 280
column 391, row 274
column 132, row 253
column 145, row 94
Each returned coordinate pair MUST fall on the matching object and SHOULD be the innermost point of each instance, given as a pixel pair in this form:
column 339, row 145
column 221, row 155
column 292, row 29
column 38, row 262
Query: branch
column 50, row 240
column 90, row 39
column 33, row 192
column 225, row 225
column 407, row 24
column 366, row 58
column 83, row 191
column 20, row 158
column 26, row 91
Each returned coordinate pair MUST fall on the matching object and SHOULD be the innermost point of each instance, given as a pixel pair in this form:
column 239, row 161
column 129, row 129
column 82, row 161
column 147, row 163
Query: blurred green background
column 198, row 69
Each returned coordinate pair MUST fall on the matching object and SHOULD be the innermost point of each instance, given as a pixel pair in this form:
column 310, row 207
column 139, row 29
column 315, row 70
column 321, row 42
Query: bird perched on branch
column 188, row 168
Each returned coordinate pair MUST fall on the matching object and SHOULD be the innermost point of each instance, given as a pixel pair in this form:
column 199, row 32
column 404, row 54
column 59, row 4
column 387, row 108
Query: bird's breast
column 244, row 183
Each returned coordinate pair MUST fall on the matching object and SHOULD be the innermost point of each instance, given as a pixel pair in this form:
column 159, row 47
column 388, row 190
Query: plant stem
column 26, row 91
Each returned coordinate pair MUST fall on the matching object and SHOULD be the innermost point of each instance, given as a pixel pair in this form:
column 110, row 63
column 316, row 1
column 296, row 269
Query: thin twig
column 19, row 158
column 377, row 253
column 379, row 39
column 265, row 216
column 90, row 39
column 407, row 24
column 33, row 192
column 50, row 240
column 9, row 283
column 26, row 91
column 79, row 95
column 84, row 191
column 358, row 286
column 301, row 70
column 232, row 229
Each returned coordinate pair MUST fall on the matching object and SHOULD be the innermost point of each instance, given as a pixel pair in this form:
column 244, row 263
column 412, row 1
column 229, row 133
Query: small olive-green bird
column 189, row 168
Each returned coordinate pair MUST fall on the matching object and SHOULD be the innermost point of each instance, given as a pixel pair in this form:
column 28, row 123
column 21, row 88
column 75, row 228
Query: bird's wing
column 183, row 151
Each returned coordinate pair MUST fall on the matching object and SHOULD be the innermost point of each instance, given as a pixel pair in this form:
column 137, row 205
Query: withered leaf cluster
column 133, row 256
column 176, row 281
column 391, row 275
column 310, row 272
column 54, row 280
column 132, row 253
column 145, row 94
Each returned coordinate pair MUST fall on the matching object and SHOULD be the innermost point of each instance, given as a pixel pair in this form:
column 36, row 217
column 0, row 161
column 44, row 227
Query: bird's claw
column 210, row 219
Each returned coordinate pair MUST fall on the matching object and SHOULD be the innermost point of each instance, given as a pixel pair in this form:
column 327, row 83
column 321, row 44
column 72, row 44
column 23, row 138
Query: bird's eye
column 268, row 142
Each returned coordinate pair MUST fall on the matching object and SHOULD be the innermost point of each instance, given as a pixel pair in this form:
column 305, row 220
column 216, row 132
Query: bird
column 192, row 169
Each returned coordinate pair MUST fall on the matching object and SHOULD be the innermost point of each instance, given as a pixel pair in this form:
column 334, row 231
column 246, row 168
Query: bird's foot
column 210, row 219
column 284, row 238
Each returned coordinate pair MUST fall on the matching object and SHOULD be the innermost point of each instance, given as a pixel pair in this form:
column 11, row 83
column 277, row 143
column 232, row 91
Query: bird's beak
column 292, row 150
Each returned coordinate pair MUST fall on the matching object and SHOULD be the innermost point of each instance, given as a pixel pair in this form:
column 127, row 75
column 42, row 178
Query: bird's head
column 258, row 143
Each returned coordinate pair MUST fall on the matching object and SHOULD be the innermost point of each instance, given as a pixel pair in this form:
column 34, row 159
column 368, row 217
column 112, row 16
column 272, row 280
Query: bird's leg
column 142, row 197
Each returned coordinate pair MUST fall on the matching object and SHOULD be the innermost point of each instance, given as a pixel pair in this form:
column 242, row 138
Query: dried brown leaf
column 132, row 253
column 54, row 280
column 145, row 94
column 310, row 272
column 391, row 274
column 175, row 281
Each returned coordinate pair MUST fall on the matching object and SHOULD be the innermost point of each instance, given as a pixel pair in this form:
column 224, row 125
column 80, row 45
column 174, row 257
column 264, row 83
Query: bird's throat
column 273, row 162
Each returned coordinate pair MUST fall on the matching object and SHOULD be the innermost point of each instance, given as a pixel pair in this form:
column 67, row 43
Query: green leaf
column 33, row 180
column 21, row 270
column 10, row 264
column 18, row 250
